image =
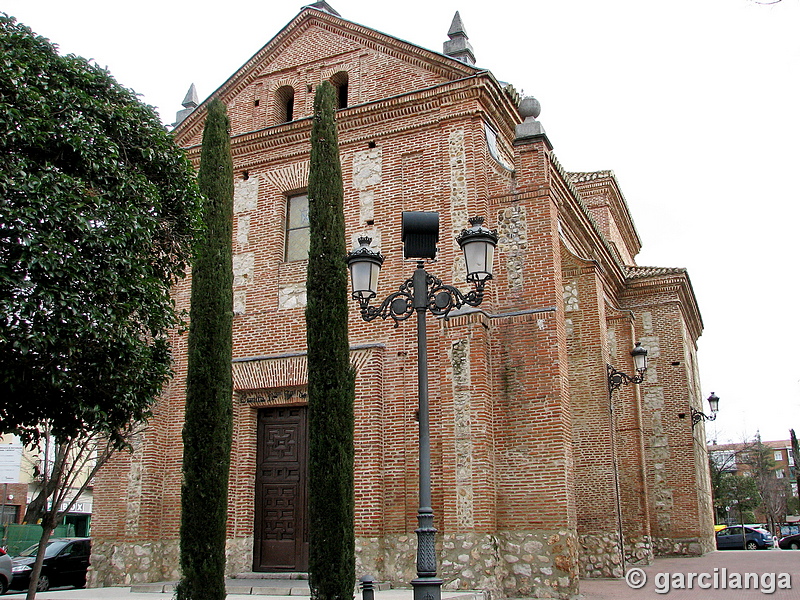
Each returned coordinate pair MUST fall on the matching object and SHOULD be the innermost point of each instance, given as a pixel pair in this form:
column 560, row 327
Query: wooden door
column 281, row 531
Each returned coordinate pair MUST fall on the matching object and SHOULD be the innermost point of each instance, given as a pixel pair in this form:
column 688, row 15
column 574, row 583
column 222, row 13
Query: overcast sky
column 692, row 103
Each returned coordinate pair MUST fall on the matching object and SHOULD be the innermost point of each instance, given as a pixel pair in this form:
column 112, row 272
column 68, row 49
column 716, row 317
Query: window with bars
column 10, row 514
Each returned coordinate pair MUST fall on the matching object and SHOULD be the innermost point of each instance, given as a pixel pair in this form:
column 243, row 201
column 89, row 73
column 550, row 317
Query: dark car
column 5, row 571
column 790, row 542
column 65, row 563
column 730, row 538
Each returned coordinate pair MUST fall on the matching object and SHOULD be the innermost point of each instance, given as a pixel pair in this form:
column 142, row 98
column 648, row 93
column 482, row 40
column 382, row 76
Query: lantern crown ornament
column 420, row 234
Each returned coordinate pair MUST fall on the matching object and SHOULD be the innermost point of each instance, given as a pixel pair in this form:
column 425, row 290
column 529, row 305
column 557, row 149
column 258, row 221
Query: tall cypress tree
column 331, row 379
column 209, row 388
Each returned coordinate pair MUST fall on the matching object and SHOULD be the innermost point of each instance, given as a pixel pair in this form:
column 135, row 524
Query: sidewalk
column 710, row 577
column 721, row 570
column 125, row 593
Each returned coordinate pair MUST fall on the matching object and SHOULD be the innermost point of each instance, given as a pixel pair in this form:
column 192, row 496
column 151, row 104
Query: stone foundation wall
column 238, row 555
column 639, row 550
column 541, row 564
column 600, row 555
column 150, row 562
column 129, row 563
column 682, row 547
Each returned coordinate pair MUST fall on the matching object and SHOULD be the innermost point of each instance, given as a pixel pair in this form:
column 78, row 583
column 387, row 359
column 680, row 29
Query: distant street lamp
column 423, row 292
column 697, row 416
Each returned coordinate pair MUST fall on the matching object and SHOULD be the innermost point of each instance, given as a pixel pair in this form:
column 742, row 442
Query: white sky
column 692, row 103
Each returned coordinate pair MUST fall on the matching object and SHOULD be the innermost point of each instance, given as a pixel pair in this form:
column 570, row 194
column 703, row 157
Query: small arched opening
column 340, row 81
column 285, row 104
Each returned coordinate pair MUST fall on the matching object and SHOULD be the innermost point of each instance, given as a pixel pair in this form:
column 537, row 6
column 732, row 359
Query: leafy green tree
column 717, row 472
column 98, row 207
column 208, row 426
column 331, row 379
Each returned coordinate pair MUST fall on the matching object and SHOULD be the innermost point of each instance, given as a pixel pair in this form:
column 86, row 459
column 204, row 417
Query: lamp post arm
column 617, row 378
column 398, row 305
column 698, row 416
column 440, row 298
column 443, row 298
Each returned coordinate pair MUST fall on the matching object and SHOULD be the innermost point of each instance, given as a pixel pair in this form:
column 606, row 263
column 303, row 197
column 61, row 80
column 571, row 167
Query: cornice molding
column 601, row 189
column 643, row 292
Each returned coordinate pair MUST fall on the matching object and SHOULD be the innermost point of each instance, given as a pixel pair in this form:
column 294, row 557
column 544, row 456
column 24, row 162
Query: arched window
column 285, row 103
column 339, row 81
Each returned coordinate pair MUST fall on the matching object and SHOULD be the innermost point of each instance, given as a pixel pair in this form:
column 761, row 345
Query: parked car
column 730, row 538
column 5, row 571
column 66, row 561
column 790, row 542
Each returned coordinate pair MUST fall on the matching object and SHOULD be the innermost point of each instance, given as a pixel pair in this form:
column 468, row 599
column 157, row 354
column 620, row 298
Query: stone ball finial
column 530, row 107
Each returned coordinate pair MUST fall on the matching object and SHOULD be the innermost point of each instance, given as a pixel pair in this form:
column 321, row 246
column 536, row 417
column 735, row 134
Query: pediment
column 309, row 45
column 316, row 46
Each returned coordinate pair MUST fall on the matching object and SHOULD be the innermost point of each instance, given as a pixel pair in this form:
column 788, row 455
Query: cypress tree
column 331, row 379
column 209, row 388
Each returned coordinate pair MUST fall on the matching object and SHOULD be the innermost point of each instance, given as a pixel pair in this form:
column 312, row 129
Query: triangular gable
column 313, row 47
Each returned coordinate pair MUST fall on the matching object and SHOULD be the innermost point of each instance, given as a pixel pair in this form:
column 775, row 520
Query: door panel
column 281, row 532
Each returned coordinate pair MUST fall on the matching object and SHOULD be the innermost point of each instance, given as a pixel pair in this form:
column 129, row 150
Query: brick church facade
column 540, row 475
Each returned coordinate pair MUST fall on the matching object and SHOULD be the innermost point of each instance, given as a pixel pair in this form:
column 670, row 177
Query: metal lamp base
column 427, row 588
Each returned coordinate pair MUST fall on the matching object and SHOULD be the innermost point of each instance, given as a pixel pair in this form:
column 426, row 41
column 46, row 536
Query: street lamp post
column 423, row 292
column 615, row 379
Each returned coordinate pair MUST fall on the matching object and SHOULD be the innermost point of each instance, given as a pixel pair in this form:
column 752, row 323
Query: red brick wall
column 677, row 465
column 521, row 433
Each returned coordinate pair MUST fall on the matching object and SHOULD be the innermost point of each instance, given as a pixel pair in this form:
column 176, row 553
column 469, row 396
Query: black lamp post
column 617, row 378
column 420, row 293
column 697, row 416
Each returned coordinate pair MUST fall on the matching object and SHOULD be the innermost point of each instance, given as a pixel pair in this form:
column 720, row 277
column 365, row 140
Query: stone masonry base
column 639, row 550
column 541, row 564
column 131, row 563
column 600, row 555
column 683, row 547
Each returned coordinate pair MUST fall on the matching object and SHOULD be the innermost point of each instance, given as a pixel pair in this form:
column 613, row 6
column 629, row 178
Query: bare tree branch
column 64, row 478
